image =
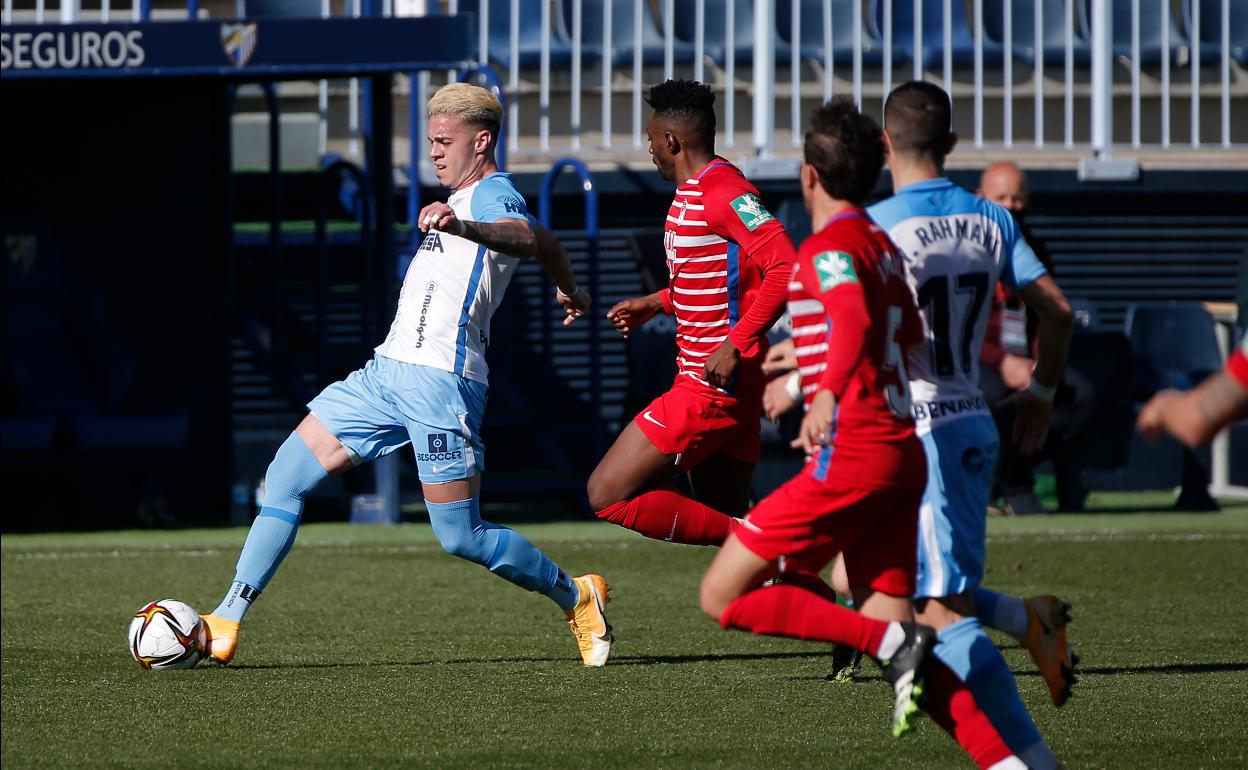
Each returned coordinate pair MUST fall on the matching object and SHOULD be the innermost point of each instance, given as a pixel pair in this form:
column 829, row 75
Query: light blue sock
column 1007, row 614
column 505, row 552
column 294, row 472
column 966, row 649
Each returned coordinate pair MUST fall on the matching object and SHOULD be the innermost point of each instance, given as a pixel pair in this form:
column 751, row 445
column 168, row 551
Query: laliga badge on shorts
column 239, row 42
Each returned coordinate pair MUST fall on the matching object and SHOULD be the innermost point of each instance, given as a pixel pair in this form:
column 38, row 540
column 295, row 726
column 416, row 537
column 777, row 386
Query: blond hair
column 473, row 104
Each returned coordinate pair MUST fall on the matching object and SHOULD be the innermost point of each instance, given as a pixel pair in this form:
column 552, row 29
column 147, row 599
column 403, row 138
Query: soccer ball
column 167, row 634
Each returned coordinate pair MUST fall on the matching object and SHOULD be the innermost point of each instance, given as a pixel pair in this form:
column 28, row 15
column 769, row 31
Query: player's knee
column 461, row 541
column 602, row 495
column 713, row 601
column 293, row 473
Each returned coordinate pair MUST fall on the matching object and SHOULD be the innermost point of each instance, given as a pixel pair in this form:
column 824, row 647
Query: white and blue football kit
column 427, row 384
column 956, row 246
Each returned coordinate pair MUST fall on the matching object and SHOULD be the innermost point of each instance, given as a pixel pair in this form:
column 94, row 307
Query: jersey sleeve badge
column 834, row 268
column 751, row 210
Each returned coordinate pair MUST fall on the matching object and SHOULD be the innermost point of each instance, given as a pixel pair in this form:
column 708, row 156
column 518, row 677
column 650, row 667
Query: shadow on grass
column 623, row 660
column 1169, row 668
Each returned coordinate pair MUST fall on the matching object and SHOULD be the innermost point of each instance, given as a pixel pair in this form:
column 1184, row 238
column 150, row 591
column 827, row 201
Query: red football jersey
column 855, row 272
column 809, row 332
column 729, row 262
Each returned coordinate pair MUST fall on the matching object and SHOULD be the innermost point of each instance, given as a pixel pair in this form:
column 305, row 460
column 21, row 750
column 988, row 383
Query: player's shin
column 971, row 655
column 665, row 514
column 505, row 552
column 796, row 612
column 1007, row 614
column 294, row 472
column 951, row 705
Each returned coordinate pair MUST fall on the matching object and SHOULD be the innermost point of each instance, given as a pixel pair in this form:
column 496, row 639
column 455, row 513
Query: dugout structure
column 120, row 280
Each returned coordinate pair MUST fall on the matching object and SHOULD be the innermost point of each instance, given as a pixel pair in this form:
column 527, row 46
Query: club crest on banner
column 239, row 42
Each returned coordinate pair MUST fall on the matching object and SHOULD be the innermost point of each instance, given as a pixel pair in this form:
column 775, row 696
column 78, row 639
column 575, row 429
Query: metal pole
column 637, row 131
column 608, row 54
column 1038, row 73
column 764, row 77
column 1102, row 78
column 1135, row 73
column 577, row 13
column 1195, row 73
column 1165, row 74
column 730, row 59
column 795, row 85
column 1226, row 73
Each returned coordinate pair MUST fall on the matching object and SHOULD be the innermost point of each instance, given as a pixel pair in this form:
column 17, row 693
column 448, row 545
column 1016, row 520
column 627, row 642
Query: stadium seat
column 530, row 35
column 622, row 38
column 1150, row 30
column 1211, row 29
column 810, row 31
column 1053, row 32
column 962, row 42
column 1173, row 345
column 742, row 43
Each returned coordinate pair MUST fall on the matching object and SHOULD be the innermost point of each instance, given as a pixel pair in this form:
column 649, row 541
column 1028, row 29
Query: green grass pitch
column 372, row 648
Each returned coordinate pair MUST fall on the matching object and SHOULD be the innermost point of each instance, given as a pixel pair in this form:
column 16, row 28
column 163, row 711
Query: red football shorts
column 693, row 421
column 808, row 521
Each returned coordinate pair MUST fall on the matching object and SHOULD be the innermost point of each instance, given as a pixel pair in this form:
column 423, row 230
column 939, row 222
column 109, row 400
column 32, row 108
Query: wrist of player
column 793, row 385
column 1040, row 392
column 570, row 293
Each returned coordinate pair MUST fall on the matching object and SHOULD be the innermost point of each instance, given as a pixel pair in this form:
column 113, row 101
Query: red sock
column 793, row 611
column 810, row 581
column 952, row 706
column 664, row 514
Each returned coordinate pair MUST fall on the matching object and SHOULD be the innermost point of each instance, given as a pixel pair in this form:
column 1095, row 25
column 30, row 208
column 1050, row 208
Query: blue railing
column 545, row 203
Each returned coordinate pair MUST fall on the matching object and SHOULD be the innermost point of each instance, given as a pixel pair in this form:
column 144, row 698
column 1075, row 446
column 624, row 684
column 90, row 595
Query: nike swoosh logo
column 443, row 469
column 646, row 416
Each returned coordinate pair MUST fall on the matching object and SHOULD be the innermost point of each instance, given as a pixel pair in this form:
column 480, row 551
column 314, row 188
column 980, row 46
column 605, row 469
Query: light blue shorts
column 389, row 404
column 961, row 456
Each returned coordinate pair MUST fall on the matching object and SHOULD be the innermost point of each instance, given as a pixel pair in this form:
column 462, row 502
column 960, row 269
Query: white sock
column 893, row 638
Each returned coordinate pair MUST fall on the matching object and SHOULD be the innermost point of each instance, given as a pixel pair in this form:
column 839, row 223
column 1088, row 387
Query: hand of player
column 1151, row 421
column 576, row 304
column 776, row 398
column 1031, row 421
column 631, row 313
column 1016, row 371
column 439, row 216
column 721, row 365
column 816, row 430
column 781, row 358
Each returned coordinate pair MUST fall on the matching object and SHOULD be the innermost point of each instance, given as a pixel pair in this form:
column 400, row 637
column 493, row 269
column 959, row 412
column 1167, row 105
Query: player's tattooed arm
column 1196, row 416
column 554, row 260
column 513, row 237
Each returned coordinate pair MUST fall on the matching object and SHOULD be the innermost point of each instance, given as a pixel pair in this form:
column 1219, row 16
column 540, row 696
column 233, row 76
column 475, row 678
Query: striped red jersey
column 809, row 332
column 729, row 262
column 856, row 276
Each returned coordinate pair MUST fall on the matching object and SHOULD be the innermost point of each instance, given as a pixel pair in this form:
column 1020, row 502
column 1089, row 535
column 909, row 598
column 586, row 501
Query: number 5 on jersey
column 897, row 396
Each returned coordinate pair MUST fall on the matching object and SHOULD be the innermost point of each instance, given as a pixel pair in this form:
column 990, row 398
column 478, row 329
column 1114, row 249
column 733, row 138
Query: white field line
column 330, row 548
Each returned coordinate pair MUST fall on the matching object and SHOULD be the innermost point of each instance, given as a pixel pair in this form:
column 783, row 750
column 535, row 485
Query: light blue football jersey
column 956, row 246
column 453, row 286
